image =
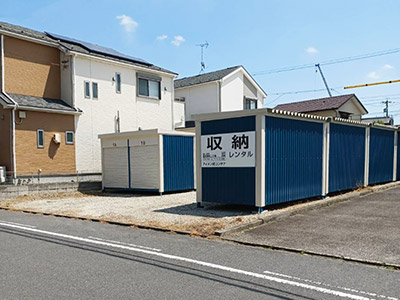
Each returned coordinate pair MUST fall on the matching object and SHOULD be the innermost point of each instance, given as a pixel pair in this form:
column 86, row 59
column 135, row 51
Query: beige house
column 36, row 126
column 344, row 106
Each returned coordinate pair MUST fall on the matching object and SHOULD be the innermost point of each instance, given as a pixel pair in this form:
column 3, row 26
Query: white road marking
column 197, row 262
column 331, row 286
column 126, row 244
column 13, row 223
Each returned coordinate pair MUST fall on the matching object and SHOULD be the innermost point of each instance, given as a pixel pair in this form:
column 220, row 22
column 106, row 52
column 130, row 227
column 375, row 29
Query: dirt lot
column 173, row 211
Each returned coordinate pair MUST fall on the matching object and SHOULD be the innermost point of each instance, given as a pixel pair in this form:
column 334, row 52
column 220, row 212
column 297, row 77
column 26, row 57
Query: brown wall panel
column 53, row 158
column 31, row 69
column 5, row 138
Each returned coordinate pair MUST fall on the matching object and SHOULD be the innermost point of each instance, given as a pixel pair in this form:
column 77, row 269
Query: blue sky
column 260, row 35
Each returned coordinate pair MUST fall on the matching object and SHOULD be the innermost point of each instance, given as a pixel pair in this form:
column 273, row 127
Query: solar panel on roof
column 96, row 48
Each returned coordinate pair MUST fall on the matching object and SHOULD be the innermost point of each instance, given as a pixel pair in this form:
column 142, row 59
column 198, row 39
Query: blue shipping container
column 346, row 157
column 381, row 152
column 229, row 185
column 293, row 159
column 178, row 163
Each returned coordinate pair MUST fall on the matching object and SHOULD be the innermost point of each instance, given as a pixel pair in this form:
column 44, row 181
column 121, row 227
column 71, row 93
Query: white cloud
column 178, row 40
column 384, row 71
column 312, row 50
column 373, row 75
column 127, row 23
column 162, row 37
column 387, row 66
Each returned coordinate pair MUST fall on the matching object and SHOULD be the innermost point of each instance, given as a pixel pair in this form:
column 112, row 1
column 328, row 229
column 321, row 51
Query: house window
column 95, row 90
column 344, row 115
column 87, row 89
column 40, row 138
column 69, row 137
column 250, row 103
column 118, row 82
column 149, row 86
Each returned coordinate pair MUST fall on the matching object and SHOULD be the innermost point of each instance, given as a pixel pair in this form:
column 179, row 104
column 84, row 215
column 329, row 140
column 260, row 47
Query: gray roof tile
column 42, row 103
column 204, row 78
column 73, row 47
column 317, row 104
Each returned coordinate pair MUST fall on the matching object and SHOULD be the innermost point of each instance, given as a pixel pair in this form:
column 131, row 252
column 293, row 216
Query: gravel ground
column 172, row 211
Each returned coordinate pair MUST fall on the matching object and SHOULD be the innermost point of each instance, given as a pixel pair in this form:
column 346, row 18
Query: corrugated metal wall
column 115, row 163
column 144, row 167
column 346, row 157
column 293, row 159
column 381, row 152
column 178, row 163
column 229, row 185
column 398, row 158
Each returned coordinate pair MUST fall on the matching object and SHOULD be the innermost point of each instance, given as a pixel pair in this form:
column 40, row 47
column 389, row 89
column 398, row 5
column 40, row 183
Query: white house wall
column 179, row 113
column 99, row 116
column 200, row 99
column 232, row 92
column 66, row 80
column 350, row 107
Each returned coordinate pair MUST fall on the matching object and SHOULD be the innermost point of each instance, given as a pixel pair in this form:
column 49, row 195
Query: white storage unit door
column 115, row 173
column 145, row 168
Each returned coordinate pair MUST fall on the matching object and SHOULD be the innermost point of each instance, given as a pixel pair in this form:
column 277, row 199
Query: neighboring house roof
column 329, row 103
column 75, row 46
column 25, row 31
column 204, row 78
column 24, row 101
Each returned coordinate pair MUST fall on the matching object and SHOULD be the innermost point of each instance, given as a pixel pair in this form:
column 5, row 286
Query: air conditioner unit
column 2, row 174
column 57, row 138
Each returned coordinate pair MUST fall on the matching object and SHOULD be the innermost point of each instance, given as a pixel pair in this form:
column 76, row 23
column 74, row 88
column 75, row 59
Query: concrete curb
column 299, row 251
column 104, row 221
column 304, row 207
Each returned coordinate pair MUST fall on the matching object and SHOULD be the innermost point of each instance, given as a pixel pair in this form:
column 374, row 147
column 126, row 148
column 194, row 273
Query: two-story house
column 36, row 125
column 58, row 94
column 223, row 90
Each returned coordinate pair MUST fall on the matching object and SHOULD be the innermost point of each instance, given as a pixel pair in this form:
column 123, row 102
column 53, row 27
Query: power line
column 328, row 62
column 301, row 92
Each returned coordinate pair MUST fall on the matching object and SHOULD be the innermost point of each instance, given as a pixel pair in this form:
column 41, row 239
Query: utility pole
column 323, row 78
column 386, row 109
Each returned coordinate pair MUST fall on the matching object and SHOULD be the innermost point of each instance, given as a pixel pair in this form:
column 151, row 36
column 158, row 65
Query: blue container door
column 346, row 157
column 381, row 152
column 229, row 185
column 398, row 158
column 293, row 159
column 178, row 163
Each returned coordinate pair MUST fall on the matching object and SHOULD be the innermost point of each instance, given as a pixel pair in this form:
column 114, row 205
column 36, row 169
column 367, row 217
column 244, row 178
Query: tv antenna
column 202, row 63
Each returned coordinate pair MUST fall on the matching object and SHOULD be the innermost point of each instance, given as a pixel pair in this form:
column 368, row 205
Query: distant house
column 223, row 90
column 380, row 120
column 58, row 94
column 344, row 106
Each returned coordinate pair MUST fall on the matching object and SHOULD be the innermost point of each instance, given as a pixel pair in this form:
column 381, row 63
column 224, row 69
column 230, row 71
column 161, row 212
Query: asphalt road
column 363, row 229
column 56, row 258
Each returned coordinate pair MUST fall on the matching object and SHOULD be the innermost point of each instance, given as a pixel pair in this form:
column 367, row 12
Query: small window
column 87, row 89
column 40, row 138
column 250, row 103
column 69, row 137
column 95, row 90
column 149, row 88
column 118, row 82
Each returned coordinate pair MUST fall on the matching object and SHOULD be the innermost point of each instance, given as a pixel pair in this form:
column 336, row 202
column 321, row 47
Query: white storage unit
column 2, row 174
column 148, row 160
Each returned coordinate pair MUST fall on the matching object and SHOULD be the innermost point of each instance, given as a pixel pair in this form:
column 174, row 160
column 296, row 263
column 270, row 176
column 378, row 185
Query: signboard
column 228, row 150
